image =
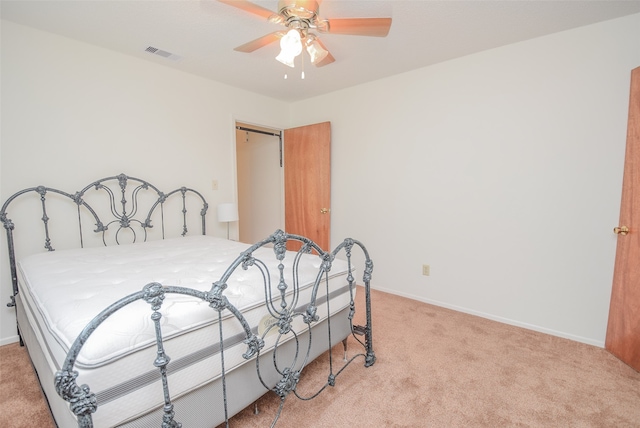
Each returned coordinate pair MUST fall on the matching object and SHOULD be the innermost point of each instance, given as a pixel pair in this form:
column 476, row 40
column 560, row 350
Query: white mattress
column 64, row 290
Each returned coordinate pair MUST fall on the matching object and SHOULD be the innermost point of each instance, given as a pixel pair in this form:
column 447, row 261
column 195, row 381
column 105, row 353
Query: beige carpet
column 435, row 368
column 22, row 403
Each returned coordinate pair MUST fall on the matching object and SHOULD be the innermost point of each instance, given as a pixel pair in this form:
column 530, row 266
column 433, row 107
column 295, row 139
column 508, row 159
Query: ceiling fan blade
column 327, row 59
column 247, row 6
column 260, row 42
column 376, row 27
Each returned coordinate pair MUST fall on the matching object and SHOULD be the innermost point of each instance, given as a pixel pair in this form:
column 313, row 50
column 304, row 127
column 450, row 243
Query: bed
column 147, row 323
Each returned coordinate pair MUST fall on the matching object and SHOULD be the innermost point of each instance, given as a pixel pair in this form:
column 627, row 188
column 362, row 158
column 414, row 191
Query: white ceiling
column 203, row 34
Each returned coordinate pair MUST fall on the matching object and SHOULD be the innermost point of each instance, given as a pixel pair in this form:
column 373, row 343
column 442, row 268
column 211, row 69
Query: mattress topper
column 71, row 287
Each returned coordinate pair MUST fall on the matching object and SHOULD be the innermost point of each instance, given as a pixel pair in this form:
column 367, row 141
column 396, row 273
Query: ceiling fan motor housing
column 300, row 9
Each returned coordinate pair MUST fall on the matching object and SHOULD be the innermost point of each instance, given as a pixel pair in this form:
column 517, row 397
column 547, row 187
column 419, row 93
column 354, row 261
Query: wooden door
column 307, row 182
column 623, row 330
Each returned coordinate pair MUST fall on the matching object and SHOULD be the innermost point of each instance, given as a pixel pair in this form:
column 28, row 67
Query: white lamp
column 227, row 213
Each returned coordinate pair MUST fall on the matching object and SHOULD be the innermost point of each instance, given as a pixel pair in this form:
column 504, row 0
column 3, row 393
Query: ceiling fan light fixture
column 286, row 60
column 290, row 47
column 315, row 49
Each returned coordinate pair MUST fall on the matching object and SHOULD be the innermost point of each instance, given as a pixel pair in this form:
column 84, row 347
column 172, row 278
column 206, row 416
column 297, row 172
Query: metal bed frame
column 285, row 310
column 124, row 215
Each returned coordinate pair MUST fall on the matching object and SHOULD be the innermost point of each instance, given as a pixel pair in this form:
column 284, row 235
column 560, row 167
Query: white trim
column 9, row 340
column 508, row 321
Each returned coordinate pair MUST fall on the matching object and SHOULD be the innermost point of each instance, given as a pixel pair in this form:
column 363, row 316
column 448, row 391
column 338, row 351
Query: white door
column 260, row 182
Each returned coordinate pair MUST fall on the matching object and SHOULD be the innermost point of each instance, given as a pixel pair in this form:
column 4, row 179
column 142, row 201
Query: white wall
column 73, row 113
column 501, row 170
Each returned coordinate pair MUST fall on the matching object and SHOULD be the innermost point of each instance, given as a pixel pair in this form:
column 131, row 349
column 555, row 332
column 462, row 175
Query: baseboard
column 586, row 340
column 9, row 340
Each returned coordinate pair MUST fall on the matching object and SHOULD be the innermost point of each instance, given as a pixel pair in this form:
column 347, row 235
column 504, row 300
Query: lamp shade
column 291, row 46
column 227, row 212
column 315, row 49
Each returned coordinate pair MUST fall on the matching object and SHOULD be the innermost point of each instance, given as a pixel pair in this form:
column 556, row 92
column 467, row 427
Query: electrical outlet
column 214, row 185
column 426, row 270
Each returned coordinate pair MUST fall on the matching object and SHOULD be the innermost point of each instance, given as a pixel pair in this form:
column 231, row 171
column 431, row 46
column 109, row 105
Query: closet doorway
column 284, row 182
column 260, row 182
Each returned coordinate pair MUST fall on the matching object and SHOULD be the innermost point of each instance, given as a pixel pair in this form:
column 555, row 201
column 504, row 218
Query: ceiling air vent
column 162, row 53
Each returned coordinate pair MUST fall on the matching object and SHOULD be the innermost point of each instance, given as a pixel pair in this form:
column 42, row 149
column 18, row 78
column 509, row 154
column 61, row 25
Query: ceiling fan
column 300, row 17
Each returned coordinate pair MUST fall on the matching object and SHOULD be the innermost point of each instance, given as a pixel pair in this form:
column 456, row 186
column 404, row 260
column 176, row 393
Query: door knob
column 324, row 210
column 622, row 230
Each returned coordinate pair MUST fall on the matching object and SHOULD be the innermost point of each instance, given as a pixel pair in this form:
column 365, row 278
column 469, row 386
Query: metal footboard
column 291, row 320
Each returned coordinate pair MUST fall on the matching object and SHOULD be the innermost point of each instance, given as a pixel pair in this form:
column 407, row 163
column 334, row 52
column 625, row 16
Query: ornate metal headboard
column 140, row 204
